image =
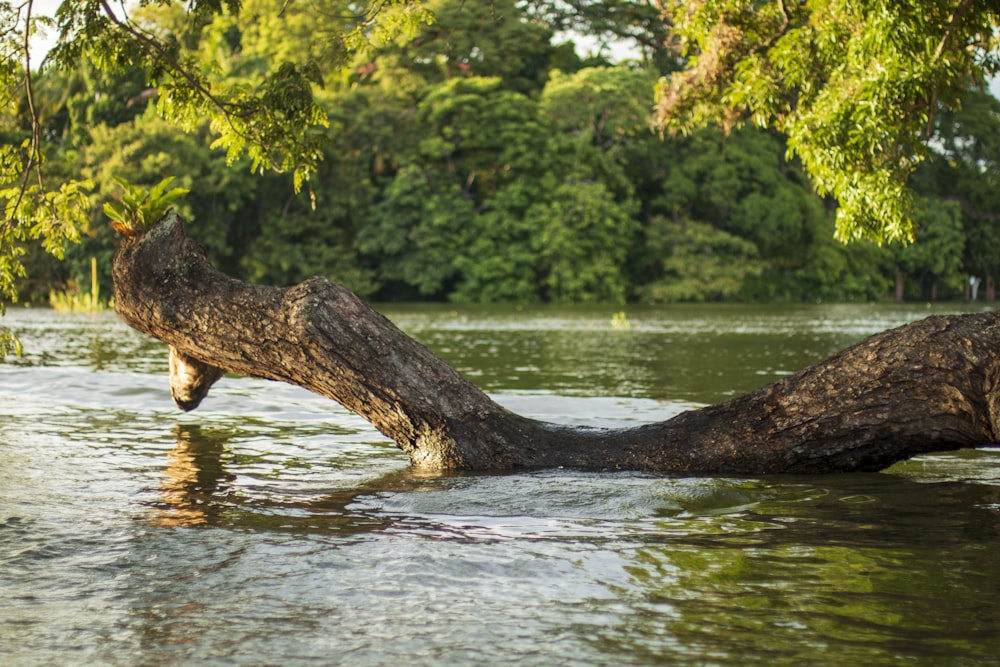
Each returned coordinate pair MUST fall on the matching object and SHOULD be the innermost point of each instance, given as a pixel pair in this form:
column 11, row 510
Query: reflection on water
column 194, row 478
column 272, row 527
column 98, row 341
column 690, row 353
column 857, row 584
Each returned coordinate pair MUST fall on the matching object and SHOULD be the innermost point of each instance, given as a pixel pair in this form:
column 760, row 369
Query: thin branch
column 180, row 70
column 177, row 68
column 782, row 29
column 33, row 164
column 29, row 93
column 953, row 21
column 373, row 9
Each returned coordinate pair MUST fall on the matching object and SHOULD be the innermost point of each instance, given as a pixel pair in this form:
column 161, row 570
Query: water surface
column 273, row 527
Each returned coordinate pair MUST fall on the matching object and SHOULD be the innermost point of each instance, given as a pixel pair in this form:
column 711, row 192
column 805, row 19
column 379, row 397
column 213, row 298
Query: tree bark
column 927, row 386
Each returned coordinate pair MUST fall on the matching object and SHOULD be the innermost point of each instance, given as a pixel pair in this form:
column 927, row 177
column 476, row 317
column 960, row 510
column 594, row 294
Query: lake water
column 272, row 527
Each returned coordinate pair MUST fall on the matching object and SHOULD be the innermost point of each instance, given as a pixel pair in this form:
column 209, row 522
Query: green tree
column 272, row 119
column 294, row 240
column 831, row 271
column 854, row 86
column 582, row 237
column 965, row 168
column 605, row 108
column 508, row 199
column 447, row 209
column 641, row 27
column 587, row 215
column 700, row 262
column 414, row 236
column 935, row 260
column 448, row 160
column 744, row 185
column 483, row 39
column 145, row 149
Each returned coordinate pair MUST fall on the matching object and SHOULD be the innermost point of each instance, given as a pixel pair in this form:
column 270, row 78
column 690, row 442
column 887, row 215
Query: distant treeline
column 486, row 161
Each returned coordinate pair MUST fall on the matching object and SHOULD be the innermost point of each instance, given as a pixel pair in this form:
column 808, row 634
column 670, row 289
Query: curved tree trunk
column 928, row 386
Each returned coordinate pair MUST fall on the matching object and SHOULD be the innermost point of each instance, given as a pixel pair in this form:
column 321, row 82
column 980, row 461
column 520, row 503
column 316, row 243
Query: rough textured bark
column 928, row 386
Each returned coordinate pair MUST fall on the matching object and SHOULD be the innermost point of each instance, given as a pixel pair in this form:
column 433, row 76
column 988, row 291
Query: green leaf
column 141, row 208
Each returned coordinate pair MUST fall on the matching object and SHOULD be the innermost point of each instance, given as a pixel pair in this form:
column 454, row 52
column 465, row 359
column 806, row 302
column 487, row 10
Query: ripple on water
column 270, row 526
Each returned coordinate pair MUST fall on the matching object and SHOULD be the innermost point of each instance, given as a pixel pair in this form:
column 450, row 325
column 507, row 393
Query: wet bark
column 927, row 386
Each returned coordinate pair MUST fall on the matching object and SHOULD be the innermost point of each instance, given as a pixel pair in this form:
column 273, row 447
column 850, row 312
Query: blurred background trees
column 487, row 157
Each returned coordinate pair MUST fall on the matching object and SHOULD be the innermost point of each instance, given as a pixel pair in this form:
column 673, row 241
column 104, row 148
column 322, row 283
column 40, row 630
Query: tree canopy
column 261, row 109
column 455, row 150
column 854, row 85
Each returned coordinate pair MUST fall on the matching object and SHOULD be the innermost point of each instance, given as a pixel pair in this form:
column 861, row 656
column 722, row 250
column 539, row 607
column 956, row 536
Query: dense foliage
column 477, row 158
column 855, row 85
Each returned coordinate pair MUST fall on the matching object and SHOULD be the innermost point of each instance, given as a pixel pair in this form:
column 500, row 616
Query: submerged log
column 932, row 385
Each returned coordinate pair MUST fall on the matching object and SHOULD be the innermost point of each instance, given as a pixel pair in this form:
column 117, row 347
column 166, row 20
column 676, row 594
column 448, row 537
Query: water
column 272, row 527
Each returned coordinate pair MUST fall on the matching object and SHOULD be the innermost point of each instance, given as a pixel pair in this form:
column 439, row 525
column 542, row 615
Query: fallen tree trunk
column 927, row 386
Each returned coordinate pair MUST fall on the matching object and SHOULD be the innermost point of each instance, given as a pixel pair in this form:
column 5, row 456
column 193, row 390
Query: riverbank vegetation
column 485, row 157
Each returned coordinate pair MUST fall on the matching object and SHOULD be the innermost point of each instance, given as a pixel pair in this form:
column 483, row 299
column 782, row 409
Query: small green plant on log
column 140, row 208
